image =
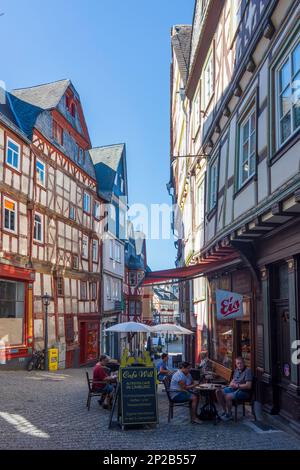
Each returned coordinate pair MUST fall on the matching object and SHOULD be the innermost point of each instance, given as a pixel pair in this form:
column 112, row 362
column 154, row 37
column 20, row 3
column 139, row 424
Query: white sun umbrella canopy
column 171, row 328
column 130, row 327
column 185, row 331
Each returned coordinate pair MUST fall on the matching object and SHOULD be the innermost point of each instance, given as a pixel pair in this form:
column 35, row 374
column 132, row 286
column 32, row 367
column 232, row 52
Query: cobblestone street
column 48, row 411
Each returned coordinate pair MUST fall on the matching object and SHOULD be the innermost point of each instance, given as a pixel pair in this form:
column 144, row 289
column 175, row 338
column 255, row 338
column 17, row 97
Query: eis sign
column 229, row 305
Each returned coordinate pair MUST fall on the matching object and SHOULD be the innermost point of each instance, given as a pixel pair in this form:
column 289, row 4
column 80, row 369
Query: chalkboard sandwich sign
column 138, row 395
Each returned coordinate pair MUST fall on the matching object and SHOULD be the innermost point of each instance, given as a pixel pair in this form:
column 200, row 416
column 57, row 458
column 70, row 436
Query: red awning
column 189, row 272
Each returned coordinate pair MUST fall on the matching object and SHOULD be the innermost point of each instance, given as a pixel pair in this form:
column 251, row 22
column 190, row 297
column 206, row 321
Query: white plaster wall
column 262, row 180
column 286, row 167
column 244, row 201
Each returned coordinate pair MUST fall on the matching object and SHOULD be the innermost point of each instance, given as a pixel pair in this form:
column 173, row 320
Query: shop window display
column 12, row 306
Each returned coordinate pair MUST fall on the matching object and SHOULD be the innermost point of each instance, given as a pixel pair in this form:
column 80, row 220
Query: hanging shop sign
column 229, row 305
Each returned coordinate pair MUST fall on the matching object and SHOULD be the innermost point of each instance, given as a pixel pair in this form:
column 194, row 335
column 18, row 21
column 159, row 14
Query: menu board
column 138, row 395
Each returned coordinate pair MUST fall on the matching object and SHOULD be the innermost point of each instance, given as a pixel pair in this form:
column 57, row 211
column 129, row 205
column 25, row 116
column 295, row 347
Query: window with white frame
column 208, row 79
column 83, row 290
column 115, row 290
column 95, row 251
column 86, row 202
column 97, row 210
column 40, row 173
column 13, row 154
column 60, row 286
column 108, row 288
column 213, row 184
column 118, row 252
column 38, row 227
column 93, row 290
column 72, row 214
column 10, row 215
column 200, row 203
column 196, row 112
column 75, row 262
column 247, row 148
column 288, row 92
column 85, row 246
column 111, row 249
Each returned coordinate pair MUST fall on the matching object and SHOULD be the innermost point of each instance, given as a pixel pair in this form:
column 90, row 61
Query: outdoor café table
column 211, row 377
column 208, row 390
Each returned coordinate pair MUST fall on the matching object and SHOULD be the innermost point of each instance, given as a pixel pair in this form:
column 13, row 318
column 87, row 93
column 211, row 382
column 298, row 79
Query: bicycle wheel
column 30, row 365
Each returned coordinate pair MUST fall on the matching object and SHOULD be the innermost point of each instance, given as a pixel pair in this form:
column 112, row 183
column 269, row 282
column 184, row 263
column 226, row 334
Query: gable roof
column 181, row 42
column 29, row 103
column 106, row 161
column 46, row 96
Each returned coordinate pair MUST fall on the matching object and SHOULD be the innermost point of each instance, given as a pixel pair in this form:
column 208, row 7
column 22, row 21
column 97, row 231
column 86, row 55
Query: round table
column 208, row 390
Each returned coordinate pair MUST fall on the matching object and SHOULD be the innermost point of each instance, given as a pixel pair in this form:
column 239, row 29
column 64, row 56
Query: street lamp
column 46, row 303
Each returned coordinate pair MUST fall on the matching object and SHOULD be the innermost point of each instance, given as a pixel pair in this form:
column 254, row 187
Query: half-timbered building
column 242, row 101
column 51, row 222
column 111, row 174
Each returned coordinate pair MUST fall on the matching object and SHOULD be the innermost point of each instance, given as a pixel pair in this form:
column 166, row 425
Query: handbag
column 206, row 413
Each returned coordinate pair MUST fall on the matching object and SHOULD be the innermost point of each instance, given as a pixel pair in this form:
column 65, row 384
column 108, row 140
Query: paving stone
column 41, row 410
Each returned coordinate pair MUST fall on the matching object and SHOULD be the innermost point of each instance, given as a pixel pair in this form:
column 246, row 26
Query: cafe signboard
column 229, row 305
column 138, row 395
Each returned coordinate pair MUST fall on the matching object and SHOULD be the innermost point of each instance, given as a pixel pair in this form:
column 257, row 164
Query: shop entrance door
column 282, row 352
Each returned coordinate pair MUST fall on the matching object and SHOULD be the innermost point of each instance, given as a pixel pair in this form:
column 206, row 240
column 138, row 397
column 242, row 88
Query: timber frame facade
column 234, row 119
column 50, row 228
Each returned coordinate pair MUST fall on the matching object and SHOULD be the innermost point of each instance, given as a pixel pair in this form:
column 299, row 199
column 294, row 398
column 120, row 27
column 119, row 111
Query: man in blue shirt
column 162, row 367
column 238, row 389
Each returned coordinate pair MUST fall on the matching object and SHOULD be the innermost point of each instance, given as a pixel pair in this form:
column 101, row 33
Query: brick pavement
column 47, row 411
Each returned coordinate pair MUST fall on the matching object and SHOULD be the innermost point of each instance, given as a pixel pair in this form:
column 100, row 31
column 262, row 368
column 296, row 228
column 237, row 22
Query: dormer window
column 70, row 105
column 58, row 133
column 72, row 109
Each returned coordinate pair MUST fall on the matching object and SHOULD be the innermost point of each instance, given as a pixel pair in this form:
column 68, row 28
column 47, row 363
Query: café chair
column 92, row 393
column 172, row 403
column 243, row 403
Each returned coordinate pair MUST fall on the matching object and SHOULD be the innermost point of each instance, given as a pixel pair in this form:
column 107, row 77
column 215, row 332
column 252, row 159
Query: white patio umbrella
column 130, row 327
column 171, row 328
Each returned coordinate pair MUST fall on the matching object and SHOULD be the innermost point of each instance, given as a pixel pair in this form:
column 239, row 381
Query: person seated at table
column 181, row 384
column 238, row 389
column 162, row 367
column 100, row 374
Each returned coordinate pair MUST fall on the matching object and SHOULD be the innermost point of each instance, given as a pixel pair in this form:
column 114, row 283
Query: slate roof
column 106, row 160
column 164, row 294
column 46, row 96
column 181, row 42
column 29, row 103
column 7, row 115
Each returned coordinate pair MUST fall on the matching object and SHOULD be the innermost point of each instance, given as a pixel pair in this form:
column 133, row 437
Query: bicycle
column 37, row 361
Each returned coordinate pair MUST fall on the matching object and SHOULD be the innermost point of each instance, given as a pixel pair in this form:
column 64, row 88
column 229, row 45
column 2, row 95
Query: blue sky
column 117, row 54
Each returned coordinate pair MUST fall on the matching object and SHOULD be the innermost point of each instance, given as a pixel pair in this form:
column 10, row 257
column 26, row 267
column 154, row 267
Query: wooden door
column 281, row 352
column 283, row 343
